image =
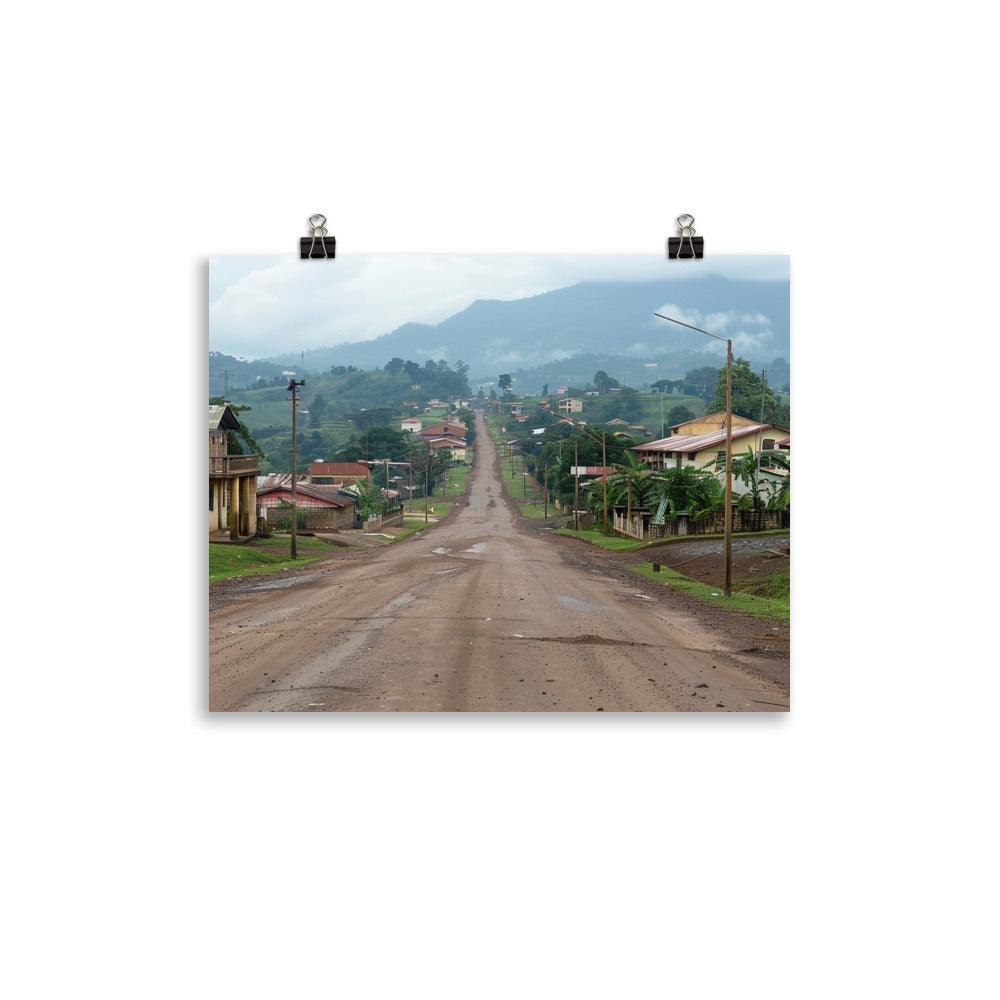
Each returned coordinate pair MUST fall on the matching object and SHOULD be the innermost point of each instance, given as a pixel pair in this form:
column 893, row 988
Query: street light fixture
column 728, row 588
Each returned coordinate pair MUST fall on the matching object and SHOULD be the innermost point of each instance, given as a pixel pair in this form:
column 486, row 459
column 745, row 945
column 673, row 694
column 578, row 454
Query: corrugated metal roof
column 688, row 444
column 334, row 469
column 328, row 494
column 222, row 418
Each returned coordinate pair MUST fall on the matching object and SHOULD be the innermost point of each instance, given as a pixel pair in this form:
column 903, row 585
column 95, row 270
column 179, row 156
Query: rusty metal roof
column 327, row 494
column 688, row 444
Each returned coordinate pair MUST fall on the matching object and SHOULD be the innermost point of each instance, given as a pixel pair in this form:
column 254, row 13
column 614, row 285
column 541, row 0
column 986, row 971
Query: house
column 516, row 409
column 232, row 479
column 411, row 424
column 544, row 404
column 338, row 473
column 462, row 404
column 699, row 449
column 325, row 507
column 447, row 429
column 591, row 470
column 708, row 423
column 455, row 445
column 538, row 430
column 571, row 405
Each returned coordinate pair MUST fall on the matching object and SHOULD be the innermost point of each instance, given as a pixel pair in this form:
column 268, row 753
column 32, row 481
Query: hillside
column 493, row 336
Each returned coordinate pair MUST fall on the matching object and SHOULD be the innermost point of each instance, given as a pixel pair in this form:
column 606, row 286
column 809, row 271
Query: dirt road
column 476, row 614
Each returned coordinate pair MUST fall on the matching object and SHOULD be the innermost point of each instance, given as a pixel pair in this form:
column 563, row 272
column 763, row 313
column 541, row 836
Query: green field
column 263, row 555
column 765, row 597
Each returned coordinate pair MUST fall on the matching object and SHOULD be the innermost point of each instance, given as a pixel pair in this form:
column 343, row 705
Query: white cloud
column 261, row 306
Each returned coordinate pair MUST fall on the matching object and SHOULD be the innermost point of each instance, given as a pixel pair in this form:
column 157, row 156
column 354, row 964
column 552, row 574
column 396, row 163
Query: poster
column 506, row 486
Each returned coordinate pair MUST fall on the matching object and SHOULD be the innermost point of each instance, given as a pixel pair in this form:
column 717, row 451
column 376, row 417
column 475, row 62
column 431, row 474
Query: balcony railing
column 232, row 465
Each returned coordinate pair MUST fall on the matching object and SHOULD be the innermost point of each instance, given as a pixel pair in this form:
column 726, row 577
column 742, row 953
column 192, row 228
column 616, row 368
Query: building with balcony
column 232, row 479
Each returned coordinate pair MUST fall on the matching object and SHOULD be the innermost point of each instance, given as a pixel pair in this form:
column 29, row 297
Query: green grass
column 773, row 606
column 436, row 508
column 410, row 526
column 614, row 542
column 536, row 511
column 264, row 555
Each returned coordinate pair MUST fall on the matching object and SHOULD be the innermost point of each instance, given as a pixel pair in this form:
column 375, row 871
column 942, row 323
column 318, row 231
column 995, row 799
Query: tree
column 678, row 415
column 504, row 382
column 751, row 394
column 545, row 389
column 412, row 370
column 317, row 409
column 394, row 366
column 758, row 495
column 371, row 499
column 701, row 382
column 377, row 416
column 603, row 382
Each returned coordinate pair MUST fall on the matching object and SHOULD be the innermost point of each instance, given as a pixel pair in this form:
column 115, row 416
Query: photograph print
column 499, row 483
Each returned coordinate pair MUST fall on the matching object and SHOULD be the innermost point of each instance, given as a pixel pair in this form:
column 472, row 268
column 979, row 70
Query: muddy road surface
column 478, row 613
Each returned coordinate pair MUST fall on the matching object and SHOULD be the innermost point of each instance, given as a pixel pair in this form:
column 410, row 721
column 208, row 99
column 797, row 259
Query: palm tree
column 746, row 468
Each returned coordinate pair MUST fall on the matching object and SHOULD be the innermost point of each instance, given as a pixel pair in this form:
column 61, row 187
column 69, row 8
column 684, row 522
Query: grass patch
column 536, row 511
column 614, row 542
column 436, row 508
column 264, row 555
column 768, row 607
column 410, row 526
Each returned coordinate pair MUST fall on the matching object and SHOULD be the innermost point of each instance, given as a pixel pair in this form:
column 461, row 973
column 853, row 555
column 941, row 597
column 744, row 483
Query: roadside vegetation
column 262, row 555
column 614, row 543
column 764, row 597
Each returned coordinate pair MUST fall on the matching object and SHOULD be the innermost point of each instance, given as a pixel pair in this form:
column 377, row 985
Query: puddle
column 395, row 604
column 575, row 603
column 478, row 549
column 440, row 551
column 282, row 584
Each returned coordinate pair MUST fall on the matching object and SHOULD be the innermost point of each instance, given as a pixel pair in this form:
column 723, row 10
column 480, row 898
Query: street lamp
column 728, row 588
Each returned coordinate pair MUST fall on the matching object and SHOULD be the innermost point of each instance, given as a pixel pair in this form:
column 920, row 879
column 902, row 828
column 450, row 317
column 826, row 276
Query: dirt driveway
column 482, row 613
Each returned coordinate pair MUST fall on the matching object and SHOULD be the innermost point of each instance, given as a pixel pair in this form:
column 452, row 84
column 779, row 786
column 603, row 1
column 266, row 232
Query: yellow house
column 696, row 443
column 232, row 479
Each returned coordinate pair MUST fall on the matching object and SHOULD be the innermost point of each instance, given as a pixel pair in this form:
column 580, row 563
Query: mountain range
column 599, row 318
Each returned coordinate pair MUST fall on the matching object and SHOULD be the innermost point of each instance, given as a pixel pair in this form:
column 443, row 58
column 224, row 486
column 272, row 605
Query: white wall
column 845, row 850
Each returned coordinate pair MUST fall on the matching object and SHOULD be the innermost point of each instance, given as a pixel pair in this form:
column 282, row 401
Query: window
column 692, row 456
column 768, row 444
column 211, row 495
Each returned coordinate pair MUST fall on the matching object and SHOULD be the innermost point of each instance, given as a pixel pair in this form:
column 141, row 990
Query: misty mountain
column 588, row 318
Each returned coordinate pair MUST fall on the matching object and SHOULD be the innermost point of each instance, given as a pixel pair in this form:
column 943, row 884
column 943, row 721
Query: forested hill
column 588, row 318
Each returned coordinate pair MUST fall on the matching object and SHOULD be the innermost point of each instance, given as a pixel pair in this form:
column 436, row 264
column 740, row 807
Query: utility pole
column 728, row 589
column 576, row 483
column 546, row 490
column 293, row 389
column 604, row 462
column 427, row 466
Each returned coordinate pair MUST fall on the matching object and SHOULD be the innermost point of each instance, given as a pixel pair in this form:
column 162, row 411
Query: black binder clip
column 685, row 245
column 318, row 245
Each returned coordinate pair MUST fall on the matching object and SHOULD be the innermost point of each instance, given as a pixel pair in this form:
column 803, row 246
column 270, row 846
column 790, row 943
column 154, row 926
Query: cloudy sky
column 259, row 304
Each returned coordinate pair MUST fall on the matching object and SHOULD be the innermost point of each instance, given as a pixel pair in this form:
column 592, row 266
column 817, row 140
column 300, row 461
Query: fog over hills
column 597, row 318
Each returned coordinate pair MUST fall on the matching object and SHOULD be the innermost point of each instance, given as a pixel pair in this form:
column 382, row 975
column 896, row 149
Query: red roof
column 445, row 429
column 328, row 496
column 337, row 469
